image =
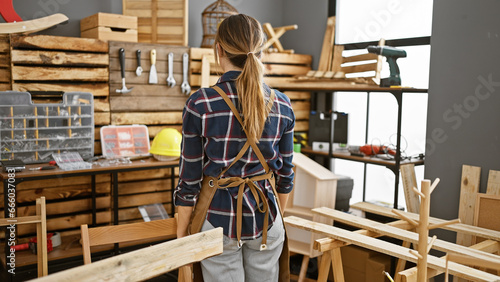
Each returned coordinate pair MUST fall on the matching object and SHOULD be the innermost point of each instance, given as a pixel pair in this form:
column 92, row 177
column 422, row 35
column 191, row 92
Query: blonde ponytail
column 241, row 37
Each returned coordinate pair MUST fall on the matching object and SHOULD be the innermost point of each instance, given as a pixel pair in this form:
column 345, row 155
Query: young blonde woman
column 236, row 160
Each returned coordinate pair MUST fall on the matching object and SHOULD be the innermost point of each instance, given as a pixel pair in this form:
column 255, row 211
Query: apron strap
column 256, row 149
column 241, row 183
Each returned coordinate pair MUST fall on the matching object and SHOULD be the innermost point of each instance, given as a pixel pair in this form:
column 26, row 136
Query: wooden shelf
column 365, row 159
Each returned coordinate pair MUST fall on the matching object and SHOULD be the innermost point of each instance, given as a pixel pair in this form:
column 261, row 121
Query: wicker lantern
column 211, row 17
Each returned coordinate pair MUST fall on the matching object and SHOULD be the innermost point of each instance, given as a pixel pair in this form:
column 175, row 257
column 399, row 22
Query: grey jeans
column 248, row 263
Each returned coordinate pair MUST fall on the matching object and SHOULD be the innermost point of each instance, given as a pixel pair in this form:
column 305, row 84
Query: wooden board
column 160, row 21
column 149, row 262
column 388, row 248
column 409, row 181
column 404, row 235
column 471, row 176
column 31, row 26
column 457, row 227
column 325, row 59
column 487, row 212
column 493, row 187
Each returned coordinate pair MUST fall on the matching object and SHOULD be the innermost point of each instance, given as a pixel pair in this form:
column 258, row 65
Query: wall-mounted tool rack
column 32, row 132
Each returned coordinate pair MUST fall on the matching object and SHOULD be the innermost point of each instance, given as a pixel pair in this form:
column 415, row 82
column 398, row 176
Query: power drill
column 391, row 54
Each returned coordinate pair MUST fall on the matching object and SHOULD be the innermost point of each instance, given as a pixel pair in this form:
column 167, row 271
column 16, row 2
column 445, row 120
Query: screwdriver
column 43, row 168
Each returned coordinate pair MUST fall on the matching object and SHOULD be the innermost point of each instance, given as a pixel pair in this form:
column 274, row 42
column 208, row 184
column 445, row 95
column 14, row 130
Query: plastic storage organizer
column 32, row 132
column 124, row 141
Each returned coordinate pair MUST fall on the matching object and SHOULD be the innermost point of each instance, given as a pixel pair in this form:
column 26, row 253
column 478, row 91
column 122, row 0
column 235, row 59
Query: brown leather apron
column 211, row 184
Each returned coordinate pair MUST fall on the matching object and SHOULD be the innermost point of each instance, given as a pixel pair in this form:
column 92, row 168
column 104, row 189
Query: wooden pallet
column 160, row 21
column 48, row 66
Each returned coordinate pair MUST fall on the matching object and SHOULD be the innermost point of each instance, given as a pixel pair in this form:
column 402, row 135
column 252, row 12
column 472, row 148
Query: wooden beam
column 327, row 244
column 325, row 59
column 409, row 181
column 457, row 227
column 147, row 262
column 387, row 230
column 410, row 274
column 388, row 248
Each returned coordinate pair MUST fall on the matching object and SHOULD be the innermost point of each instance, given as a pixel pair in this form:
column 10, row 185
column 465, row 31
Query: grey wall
column 75, row 10
column 464, row 101
column 310, row 16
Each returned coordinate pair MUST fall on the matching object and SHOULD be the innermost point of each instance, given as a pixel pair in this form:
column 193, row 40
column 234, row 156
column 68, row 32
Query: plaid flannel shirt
column 212, row 137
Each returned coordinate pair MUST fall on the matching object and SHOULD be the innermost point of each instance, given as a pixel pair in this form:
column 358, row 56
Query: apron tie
column 258, row 195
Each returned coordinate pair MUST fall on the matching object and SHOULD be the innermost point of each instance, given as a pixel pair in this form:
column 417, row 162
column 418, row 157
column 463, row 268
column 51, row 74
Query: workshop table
column 113, row 169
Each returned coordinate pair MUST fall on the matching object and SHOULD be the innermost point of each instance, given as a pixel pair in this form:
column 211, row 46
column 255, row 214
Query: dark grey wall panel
column 464, row 98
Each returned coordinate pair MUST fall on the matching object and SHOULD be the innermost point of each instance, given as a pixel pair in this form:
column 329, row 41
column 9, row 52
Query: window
column 362, row 21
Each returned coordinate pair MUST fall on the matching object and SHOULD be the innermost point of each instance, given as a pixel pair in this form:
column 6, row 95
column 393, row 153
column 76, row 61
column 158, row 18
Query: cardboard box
column 360, row 264
column 375, row 266
column 109, row 27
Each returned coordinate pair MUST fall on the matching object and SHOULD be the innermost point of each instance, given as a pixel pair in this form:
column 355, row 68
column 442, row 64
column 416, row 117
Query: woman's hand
column 183, row 219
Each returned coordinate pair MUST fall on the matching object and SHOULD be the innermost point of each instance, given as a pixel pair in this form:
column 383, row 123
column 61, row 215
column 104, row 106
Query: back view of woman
column 236, row 160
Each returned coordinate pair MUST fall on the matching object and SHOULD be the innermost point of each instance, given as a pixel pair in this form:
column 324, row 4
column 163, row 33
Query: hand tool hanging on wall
column 170, row 77
column 124, row 89
column 186, row 89
column 138, row 70
column 153, row 76
column 391, row 54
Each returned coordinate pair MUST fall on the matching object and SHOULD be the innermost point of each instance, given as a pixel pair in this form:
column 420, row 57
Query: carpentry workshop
column 352, row 143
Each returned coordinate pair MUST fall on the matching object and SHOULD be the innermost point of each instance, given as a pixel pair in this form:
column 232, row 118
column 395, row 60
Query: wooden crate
column 5, row 83
column 279, row 67
column 160, row 21
column 47, row 66
column 106, row 27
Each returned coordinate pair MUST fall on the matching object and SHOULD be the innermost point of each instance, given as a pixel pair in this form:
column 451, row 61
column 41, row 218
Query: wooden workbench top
column 136, row 164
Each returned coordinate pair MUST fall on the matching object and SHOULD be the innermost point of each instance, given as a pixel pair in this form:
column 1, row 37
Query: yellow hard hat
column 167, row 144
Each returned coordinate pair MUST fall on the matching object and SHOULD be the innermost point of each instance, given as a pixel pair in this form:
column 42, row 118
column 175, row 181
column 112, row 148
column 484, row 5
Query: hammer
column 122, row 69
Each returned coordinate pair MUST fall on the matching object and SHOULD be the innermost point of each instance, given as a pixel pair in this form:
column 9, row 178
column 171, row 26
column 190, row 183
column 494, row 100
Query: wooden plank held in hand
column 148, row 262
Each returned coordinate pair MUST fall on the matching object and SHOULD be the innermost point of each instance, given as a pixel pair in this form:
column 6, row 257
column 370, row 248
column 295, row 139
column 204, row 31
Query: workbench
column 113, row 169
column 330, row 86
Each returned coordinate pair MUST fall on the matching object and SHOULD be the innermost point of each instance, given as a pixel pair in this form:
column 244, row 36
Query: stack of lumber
column 334, row 65
column 279, row 67
column 47, row 66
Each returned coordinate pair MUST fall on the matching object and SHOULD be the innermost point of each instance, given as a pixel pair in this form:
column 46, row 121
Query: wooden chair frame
column 98, row 236
column 146, row 263
column 40, row 219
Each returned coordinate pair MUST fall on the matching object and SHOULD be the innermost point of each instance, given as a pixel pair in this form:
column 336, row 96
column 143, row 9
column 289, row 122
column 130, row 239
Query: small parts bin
column 124, row 141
